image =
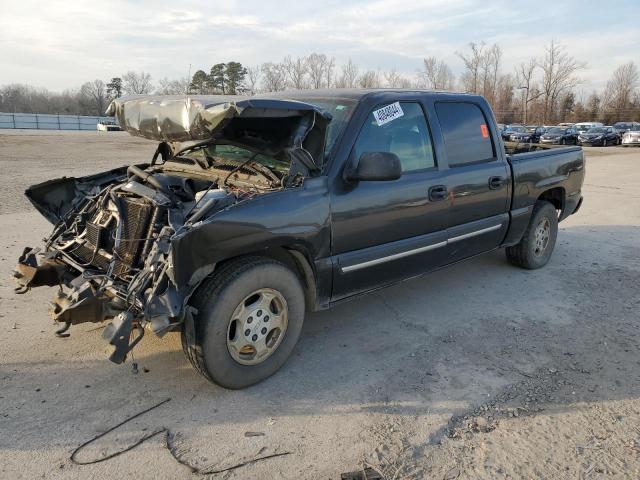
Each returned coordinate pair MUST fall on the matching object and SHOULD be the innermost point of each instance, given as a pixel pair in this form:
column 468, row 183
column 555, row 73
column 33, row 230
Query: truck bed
column 537, row 171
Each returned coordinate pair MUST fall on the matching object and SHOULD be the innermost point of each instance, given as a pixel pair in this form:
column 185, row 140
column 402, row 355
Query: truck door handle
column 495, row 182
column 437, row 193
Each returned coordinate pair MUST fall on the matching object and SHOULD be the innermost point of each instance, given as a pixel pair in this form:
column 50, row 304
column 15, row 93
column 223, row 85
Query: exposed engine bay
column 111, row 245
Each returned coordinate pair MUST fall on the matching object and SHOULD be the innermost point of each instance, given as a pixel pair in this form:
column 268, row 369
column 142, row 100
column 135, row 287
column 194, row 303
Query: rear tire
column 536, row 246
column 228, row 300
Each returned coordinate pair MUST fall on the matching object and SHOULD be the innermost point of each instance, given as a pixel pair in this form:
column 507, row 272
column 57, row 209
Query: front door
column 384, row 231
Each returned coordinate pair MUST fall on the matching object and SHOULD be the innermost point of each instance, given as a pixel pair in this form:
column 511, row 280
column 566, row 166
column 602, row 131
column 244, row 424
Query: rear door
column 384, row 231
column 478, row 178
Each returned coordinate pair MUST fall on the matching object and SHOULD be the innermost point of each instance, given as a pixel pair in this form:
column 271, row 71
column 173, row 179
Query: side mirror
column 376, row 166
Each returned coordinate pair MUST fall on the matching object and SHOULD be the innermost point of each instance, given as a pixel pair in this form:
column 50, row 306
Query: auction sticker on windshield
column 388, row 113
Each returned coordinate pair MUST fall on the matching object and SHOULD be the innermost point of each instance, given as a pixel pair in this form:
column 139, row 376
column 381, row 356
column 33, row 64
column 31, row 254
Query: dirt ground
column 481, row 371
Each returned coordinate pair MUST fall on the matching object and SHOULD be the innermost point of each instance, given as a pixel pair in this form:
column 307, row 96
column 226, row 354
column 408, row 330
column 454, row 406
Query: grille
column 136, row 213
column 98, row 240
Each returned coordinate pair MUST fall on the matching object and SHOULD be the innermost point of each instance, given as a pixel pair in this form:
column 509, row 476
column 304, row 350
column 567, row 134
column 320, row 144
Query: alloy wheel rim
column 541, row 238
column 257, row 326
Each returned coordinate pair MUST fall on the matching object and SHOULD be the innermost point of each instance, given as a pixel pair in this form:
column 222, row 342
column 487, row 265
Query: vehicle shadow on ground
column 437, row 345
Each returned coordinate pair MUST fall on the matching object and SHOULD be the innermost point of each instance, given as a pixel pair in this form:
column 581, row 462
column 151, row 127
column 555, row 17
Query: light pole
column 526, row 100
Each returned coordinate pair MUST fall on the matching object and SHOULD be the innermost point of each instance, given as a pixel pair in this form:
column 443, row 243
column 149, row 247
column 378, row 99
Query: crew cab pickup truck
column 254, row 211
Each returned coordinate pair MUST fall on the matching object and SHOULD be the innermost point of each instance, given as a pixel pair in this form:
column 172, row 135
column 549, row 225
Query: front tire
column 250, row 315
column 536, row 246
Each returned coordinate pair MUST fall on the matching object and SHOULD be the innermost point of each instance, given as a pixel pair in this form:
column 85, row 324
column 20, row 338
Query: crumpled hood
column 273, row 127
column 183, row 118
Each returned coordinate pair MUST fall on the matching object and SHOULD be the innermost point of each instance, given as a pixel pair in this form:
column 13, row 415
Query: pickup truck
column 254, row 211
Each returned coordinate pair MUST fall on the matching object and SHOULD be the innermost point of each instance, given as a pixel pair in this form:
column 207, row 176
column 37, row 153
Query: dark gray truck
column 254, row 211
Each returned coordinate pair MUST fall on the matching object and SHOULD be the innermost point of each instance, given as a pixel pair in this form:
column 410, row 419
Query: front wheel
column 250, row 315
column 536, row 246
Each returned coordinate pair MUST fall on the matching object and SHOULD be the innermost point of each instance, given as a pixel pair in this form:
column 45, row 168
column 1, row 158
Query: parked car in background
column 603, row 136
column 560, row 136
column 511, row 130
column 623, row 127
column 631, row 137
column 583, row 127
column 531, row 134
column 566, row 125
column 108, row 126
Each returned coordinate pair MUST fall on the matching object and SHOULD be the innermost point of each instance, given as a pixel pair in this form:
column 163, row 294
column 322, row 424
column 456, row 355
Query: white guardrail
column 41, row 121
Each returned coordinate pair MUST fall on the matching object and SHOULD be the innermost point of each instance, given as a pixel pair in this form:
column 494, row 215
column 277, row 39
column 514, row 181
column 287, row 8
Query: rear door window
column 466, row 133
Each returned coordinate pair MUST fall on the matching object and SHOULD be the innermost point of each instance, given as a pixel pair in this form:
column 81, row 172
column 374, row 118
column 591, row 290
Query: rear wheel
column 536, row 246
column 250, row 315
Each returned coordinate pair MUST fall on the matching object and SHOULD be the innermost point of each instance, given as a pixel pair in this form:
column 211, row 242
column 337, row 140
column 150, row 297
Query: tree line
column 545, row 89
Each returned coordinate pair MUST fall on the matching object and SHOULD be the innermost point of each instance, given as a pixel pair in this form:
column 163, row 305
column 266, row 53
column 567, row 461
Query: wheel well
column 555, row 196
column 299, row 263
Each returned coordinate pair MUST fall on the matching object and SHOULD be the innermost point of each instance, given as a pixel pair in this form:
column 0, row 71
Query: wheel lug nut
column 259, row 313
column 254, row 338
column 247, row 332
column 250, row 319
column 264, row 330
column 266, row 318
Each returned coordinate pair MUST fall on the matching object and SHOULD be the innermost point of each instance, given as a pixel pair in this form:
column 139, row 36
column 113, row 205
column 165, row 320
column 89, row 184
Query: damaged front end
column 110, row 250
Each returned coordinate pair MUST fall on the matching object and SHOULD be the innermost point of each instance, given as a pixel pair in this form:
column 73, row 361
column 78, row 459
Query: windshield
column 596, row 130
column 516, row 129
column 339, row 108
column 555, row 130
column 622, row 125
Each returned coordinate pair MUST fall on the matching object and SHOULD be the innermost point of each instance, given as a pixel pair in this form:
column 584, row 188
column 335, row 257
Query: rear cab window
column 466, row 134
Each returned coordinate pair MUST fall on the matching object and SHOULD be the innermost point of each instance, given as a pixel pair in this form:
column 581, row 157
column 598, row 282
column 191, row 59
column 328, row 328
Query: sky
column 61, row 44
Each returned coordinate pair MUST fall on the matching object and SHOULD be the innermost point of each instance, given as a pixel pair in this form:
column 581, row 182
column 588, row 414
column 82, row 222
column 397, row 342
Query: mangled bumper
column 86, row 298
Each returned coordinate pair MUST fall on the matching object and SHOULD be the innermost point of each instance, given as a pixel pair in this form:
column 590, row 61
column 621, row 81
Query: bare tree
column 297, row 70
column 558, row 76
column 349, row 76
column 503, row 102
column 392, row 78
column 621, row 87
column 318, row 66
column 472, row 63
column 435, row 74
column 252, row 80
column 490, row 70
column 94, row 96
column 369, row 79
column 274, row 76
column 134, row 83
column 593, row 106
column 331, row 63
column 525, row 73
column 172, row 87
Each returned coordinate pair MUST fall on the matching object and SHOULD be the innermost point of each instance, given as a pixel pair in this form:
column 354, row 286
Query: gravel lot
column 481, row 371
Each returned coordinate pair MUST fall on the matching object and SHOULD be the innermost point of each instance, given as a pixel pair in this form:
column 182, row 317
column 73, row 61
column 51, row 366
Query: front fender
column 293, row 217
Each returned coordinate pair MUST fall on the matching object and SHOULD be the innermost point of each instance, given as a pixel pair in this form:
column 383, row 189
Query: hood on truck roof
column 264, row 124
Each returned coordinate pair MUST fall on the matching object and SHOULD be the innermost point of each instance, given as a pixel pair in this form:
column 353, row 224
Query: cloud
column 60, row 45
